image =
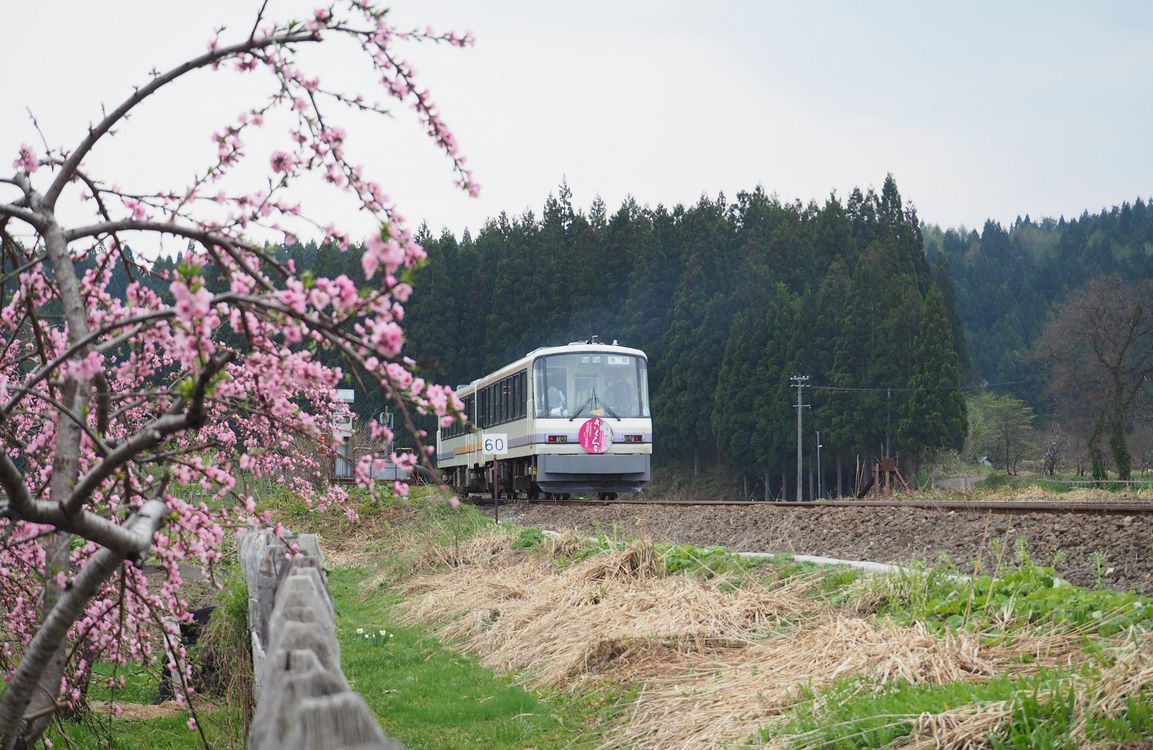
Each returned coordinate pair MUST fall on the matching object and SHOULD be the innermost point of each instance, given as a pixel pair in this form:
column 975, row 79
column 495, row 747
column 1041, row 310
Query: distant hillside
column 1006, row 282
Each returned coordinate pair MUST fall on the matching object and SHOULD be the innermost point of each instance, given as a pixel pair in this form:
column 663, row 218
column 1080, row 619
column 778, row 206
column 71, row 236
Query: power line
column 905, row 389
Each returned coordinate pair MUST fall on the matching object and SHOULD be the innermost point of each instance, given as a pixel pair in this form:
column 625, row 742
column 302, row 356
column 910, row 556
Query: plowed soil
column 1114, row 551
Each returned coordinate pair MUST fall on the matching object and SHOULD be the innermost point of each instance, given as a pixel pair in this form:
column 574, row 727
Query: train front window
column 590, row 384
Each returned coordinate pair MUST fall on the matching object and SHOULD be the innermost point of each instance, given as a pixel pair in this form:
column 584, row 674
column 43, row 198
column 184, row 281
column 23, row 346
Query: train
column 559, row 421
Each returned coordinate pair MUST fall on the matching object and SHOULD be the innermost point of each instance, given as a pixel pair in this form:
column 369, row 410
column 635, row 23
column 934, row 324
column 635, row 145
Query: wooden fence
column 303, row 701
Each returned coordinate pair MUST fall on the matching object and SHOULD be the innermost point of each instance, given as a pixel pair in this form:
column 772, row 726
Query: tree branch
column 148, row 437
column 100, row 129
column 23, row 214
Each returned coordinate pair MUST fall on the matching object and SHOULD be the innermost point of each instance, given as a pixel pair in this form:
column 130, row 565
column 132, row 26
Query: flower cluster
column 379, row 637
column 177, row 389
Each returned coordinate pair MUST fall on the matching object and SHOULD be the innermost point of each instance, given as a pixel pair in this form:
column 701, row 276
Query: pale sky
column 980, row 110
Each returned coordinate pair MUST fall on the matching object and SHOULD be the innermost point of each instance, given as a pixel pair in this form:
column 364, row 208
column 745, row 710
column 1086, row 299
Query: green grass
column 428, row 696
column 222, row 720
column 1023, row 594
column 1060, row 485
column 220, row 723
column 855, row 713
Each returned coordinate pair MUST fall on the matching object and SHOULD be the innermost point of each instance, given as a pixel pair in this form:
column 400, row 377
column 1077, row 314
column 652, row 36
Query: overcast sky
column 981, row 109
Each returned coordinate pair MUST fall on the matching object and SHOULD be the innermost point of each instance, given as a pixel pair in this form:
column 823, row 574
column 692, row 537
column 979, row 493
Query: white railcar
column 576, row 419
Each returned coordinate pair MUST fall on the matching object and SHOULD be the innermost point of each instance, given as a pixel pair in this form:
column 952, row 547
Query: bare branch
column 100, row 129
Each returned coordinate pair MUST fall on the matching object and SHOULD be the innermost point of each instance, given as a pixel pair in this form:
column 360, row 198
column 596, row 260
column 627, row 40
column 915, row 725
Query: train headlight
column 634, row 439
column 558, row 438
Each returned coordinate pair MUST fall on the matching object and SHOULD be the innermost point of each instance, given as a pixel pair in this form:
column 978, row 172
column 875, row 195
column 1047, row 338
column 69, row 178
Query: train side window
column 502, row 401
column 538, row 389
column 518, row 395
column 469, row 411
column 505, row 400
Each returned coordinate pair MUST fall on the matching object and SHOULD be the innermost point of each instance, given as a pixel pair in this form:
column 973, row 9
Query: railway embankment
column 1087, row 549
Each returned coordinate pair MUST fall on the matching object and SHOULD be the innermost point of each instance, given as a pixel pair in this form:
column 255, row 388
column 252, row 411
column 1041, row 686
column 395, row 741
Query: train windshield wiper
column 590, row 400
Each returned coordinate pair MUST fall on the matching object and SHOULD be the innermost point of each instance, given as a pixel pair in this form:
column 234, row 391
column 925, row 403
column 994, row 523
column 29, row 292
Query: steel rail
column 991, row 506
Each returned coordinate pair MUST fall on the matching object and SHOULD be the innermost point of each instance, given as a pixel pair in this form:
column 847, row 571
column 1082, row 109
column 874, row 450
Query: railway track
column 1122, row 507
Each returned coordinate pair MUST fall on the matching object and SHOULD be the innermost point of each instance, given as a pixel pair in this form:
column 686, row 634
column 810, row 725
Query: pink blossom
column 369, row 262
column 284, row 329
column 137, row 209
column 27, row 159
column 389, row 338
column 88, row 367
column 282, row 161
column 190, row 305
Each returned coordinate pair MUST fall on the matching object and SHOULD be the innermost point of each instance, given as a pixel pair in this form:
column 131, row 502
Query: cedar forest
column 894, row 321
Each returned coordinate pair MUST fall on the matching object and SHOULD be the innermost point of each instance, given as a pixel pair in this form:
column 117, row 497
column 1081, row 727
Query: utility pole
column 799, row 383
column 888, row 418
column 820, row 490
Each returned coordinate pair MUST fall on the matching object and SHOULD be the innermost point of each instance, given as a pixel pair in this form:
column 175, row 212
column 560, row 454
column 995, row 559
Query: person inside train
column 618, row 397
column 556, row 402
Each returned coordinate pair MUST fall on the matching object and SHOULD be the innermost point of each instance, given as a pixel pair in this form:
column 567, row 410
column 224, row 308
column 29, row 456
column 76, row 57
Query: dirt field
column 1115, row 550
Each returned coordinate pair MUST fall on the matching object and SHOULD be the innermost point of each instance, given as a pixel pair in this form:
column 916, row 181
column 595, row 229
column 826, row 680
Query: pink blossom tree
column 205, row 376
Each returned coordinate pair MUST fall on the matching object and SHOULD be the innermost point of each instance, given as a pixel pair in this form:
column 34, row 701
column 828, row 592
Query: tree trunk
column 67, row 609
column 1119, row 448
column 1096, row 453
column 840, row 486
column 56, row 550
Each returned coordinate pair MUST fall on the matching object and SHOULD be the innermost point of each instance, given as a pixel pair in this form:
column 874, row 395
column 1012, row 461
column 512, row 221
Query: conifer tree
column 933, row 415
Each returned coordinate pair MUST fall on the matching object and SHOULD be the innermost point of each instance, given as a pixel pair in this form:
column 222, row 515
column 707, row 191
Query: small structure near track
column 885, row 477
column 303, row 701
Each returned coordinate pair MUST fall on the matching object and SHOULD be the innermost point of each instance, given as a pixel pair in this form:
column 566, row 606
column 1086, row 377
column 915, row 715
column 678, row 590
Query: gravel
column 1109, row 550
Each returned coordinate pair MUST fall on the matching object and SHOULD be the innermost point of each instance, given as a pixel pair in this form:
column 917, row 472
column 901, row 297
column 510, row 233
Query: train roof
column 544, row 351
column 583, row 346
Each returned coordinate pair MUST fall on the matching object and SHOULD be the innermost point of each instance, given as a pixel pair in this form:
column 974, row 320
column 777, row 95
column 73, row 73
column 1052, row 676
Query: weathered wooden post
column 303, row 701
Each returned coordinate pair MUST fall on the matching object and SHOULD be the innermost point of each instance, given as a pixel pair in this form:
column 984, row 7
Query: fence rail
column 303, row 701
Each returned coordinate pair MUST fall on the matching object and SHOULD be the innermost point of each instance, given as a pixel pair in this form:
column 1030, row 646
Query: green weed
column 429, row 696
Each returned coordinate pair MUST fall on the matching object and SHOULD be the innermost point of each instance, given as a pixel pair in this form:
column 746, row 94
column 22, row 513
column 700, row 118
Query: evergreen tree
column 933, row 416
column 693, row 346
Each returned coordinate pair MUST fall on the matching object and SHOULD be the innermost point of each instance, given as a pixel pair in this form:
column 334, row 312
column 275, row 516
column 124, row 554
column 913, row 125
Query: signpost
column 495, row 443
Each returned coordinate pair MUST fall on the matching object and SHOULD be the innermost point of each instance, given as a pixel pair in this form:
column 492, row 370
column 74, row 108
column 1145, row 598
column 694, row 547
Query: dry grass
column 717, row 665
column 355, row 544
column 971, row 726
column 146, row 711
column 707, row 705
column 963, row 728
column 557, row 628
column 566, row 544
column 1034, row 493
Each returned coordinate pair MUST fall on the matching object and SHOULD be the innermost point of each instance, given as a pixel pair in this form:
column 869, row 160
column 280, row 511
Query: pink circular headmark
column 596, row 435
